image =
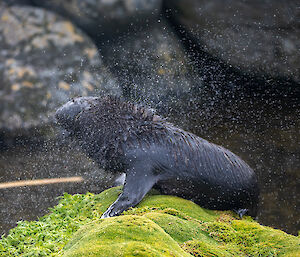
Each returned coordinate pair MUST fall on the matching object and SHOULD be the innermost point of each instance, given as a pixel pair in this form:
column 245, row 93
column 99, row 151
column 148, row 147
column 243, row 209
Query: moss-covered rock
column 129, row 235
column 158, row 226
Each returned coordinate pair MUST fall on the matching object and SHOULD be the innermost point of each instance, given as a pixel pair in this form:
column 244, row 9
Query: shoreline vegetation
column 159, row 226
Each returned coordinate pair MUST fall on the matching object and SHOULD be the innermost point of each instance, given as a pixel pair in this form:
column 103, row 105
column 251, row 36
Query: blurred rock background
column 228, row 71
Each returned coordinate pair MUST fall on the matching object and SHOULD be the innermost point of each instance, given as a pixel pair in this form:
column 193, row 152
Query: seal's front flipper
column 139, row 180
column 241, row 212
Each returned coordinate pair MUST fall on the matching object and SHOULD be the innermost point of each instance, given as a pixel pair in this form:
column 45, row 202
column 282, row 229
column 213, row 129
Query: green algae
column 158, row 226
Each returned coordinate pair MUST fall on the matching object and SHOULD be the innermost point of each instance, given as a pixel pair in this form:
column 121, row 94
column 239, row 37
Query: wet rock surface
column 259, row 37
column 105, row 18
column 44, row 60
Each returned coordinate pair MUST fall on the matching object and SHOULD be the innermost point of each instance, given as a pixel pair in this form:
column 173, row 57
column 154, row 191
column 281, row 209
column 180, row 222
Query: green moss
column 48, row 235
column 253, row 239
column 158, row 226
column 188, row 208
column 123, row 236
column 204, row 249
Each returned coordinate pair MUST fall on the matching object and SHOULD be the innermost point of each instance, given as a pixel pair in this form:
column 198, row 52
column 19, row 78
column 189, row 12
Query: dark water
column 43, row 161
column 263, row 130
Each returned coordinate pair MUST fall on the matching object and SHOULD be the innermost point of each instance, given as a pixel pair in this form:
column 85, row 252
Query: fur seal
column 152, row 152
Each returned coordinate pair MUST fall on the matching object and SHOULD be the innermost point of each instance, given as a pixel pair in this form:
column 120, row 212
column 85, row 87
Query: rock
column 44, row 60
column 159, row 226
column 261, row 37
column 152, row 68
column 105, row 18
column 17, row 2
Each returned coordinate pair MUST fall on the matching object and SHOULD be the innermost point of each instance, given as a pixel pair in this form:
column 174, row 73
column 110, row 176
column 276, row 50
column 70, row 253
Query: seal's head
column 104, row 120
column 67, row 116
column 103, row 125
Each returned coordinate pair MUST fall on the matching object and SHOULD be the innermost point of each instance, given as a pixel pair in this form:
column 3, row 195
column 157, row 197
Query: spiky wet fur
column 111, row 122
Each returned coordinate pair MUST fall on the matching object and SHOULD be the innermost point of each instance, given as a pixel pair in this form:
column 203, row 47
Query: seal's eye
column 78, row 115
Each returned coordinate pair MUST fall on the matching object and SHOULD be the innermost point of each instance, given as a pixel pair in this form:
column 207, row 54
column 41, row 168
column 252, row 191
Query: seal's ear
column 63, row 137
column 139, row 180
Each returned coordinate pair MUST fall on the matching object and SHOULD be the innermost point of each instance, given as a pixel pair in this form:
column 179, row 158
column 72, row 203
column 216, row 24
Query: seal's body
column 154, row 153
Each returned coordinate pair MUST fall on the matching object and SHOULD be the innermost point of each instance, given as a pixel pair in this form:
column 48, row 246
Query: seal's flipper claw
column 241, row 212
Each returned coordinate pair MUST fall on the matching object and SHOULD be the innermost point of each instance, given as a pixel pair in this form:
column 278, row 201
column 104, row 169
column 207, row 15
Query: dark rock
column 153, row 68
column 17, row 2
column 44, row 60
column 262, row 37
column 104, row 18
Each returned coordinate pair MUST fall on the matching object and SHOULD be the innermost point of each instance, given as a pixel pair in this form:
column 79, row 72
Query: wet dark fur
column 152, row 152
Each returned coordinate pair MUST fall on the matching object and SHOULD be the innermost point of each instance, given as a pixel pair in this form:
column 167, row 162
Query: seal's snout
column 66, row 114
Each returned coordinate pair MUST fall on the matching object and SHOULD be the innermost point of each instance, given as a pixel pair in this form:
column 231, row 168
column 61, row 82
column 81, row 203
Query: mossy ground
column 158, row 226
